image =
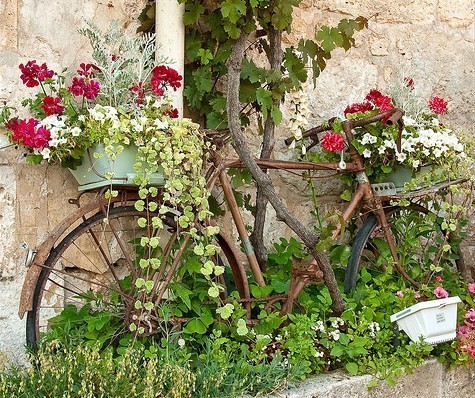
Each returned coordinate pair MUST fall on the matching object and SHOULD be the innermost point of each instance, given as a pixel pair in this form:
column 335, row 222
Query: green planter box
column 401, row 175
column 92, row 172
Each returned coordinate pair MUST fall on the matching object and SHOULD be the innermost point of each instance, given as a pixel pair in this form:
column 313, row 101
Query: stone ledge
column 431, row 380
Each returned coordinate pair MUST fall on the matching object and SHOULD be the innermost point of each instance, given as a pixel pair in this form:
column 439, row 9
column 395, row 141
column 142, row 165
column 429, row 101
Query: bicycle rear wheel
column 88, row 284
column 419, row 239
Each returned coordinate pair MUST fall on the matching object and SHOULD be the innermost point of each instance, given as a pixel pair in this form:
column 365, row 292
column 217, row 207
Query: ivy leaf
column 193, row 43
column 233, row 10
column 232, row 30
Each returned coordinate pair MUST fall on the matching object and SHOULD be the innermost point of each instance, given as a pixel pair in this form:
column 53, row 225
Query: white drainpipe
column 170, row 32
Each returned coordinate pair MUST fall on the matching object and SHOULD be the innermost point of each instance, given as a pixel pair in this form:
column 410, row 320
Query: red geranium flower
column 173, row 113
column 332, row 142
column 25, row 132
column 32, row 73
column 91, row 90
column 383, row 103
column 409, row 82
column 358, row 107
column 373, row 95
column 438, row 105
column 51, row 105
column 87, row 70
column 163, row 75
column 77, row 86
column 139, row 90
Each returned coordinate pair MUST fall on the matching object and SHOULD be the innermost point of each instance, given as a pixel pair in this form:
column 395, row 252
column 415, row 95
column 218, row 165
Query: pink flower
column 91, row 90
column 470, row 317
column 471, row 288
column 439, row 279
column 32, row 73
column 51, row 106
column 77, row 86
column 440, row 292
column 26, row 132
column 438, row 105
column 399, row 294
column 332, row 142
column 417, row 295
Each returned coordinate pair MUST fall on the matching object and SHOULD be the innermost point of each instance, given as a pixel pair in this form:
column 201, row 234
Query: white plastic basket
column 434, row 320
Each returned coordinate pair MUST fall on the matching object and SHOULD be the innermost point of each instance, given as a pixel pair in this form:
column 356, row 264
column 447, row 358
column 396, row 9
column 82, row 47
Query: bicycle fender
column 33, row 273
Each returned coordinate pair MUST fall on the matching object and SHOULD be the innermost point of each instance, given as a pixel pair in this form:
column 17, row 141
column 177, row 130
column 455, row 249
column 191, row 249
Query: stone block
column 8, row 25
column 456, row 13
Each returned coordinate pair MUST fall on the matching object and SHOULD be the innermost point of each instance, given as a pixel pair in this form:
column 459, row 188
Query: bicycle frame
column 363, row 197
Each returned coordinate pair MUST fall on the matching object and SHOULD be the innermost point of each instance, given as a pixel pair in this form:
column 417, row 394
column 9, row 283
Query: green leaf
column 183, row 293
column 352, row 368
column 346, row 195
column 276, row 114
column 260, row 291
column 330, row 38
column 205, row 56
column 195, row 325
column 264, row 99
column 251, row 71
column 193, row 11
column 233, row 10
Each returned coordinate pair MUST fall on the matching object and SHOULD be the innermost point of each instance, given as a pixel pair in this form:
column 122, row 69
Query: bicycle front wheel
column 421, row 243
column 91, row 281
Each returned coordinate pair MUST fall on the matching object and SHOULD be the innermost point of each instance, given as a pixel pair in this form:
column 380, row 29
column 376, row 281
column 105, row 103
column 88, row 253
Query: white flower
column 181, row 342
column 319, row 354
column 161, row 125
column 45, row 152
column 368, row 139
column 401, row 157
column 367, row 153
column 75, row 131
column 335, row 335
column 82, row 118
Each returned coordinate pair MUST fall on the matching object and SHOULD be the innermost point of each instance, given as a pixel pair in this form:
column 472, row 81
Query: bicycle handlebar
column 394, row 114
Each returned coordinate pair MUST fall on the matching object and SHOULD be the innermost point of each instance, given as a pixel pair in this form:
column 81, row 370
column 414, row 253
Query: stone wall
column 431, row 38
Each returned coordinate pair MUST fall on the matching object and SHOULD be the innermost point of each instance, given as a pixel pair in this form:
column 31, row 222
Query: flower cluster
column 425, row 140
column 466, row 332
column 64, row 112
column 298, row 108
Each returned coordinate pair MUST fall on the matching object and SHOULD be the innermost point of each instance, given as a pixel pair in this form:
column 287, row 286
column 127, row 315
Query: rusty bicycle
column 91, row 259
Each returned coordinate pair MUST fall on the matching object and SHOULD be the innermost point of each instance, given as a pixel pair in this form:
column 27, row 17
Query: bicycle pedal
column 384, row 189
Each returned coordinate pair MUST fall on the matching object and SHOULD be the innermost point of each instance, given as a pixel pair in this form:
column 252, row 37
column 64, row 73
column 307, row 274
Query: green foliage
column 211, row 30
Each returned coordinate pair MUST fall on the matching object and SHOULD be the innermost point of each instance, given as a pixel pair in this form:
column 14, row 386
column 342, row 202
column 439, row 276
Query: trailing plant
column 213, row 30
